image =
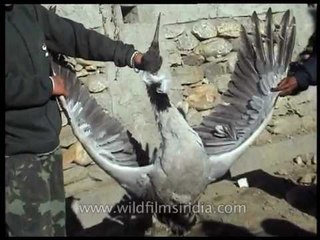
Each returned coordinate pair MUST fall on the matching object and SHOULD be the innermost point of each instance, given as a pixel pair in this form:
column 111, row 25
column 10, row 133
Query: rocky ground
column 200, row 56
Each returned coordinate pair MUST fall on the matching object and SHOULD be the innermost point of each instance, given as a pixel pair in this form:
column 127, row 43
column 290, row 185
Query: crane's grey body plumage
column 189, row 158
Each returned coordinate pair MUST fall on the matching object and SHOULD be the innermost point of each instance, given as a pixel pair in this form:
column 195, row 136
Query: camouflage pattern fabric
column 35, row 198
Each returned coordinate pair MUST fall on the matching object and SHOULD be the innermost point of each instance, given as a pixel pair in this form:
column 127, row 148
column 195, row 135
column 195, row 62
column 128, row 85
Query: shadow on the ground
column 275, row 186
column 283, row 228
column 215, row 228
column 300, row 197
column 271, row 227
column 117, row 224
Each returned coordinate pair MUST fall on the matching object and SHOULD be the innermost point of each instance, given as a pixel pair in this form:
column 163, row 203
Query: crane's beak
column 155, row 41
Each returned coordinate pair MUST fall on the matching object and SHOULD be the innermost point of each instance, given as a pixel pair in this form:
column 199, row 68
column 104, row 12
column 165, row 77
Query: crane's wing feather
column 103, row 136
column 248, row 100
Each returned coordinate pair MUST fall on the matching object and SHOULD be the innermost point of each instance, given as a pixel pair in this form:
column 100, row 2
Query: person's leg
column 27, row 197
column 58, row 212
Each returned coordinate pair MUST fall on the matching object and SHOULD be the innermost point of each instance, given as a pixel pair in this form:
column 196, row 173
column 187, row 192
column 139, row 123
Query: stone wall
column 199, row 45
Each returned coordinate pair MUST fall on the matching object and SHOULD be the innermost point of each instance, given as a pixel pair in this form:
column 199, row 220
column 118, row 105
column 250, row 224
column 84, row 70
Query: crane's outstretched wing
column 259, row 68
column 102, row 136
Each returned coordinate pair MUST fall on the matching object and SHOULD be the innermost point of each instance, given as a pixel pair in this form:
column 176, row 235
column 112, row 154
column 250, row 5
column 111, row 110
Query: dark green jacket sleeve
column 73, row 39
column 19, row 94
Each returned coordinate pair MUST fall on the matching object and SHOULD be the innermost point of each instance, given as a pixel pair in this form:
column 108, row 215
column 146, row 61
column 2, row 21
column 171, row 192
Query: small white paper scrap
column 242, row 182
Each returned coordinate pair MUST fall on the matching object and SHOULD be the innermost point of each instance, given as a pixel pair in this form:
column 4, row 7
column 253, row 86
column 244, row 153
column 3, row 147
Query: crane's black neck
column 159, row 100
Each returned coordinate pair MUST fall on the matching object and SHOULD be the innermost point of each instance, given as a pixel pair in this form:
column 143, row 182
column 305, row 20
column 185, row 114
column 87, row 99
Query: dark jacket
column 32, row 117
column 305, row 71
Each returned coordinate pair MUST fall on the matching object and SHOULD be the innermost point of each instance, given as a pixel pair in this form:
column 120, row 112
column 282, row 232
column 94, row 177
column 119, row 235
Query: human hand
column 58, row 86
column 287, row 86
column 150, row 61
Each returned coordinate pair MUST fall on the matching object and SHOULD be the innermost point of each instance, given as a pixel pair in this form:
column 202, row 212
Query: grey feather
column 283, row 36
column 291, row 42
column 229, row 110
column 258, row 40
column 257, row 70
column 269, row 33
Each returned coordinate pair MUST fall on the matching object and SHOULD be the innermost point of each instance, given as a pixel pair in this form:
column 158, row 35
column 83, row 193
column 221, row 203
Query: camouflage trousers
column 35, row 198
